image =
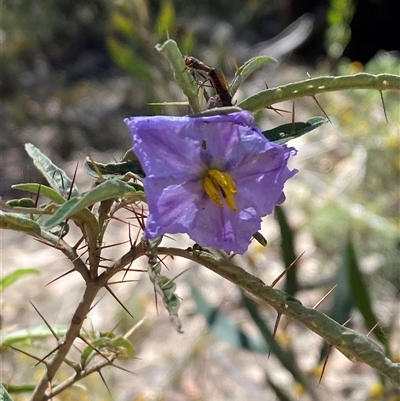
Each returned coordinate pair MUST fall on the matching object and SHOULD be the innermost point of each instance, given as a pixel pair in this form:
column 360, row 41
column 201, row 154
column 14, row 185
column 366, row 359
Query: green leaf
column 224, row 327
column 118, row 344
column 170, row 50
column 126, row 58
column 106, row 190
column 14, row 276
column 287, row 250
column 23, row 388
column 16, row 222
column 22, row 202
column 360, row 294
column 123, row 24
column 246, row 69
column 4, row 396
column 284, row 357
column 124, row 346
column 166, row 18
column 34, row 333
column 286, row 132
column 113, row 170
column 342, row 300
column 42, row 190
column 95, row 344
column 282, row 396
column 55, row 176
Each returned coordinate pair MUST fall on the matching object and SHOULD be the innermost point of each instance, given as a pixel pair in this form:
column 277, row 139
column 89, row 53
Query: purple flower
column 211, row 177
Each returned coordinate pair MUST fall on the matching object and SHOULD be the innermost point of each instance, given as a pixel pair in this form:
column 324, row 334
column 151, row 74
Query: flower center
column 220, row 187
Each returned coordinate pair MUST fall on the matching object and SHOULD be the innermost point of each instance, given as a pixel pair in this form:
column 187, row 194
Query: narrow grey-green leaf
column 17, row 222
column 113, row 170
column 286, row 132
column 360, row 294
column 55, row 176
column 22, row 388
column 284, row 357
column 288, row 251
column 224, row 327
column 281, row 395
column 106, row 190
column 4, row 396
column 41, row 189
column 11, row 278
column 34, row 333
column 246, row 69
column 126, row 57
column 170, row 50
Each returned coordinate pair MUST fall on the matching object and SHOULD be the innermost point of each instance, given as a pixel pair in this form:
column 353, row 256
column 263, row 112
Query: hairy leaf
column 42, row 190
column 17, row 222
column 55, row 176
column 113, row 170
column 246, row 69
column 106, row 190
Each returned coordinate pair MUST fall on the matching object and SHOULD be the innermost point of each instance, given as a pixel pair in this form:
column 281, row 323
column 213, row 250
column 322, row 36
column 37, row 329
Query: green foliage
column 166, row 19
column 119, row 186
column 4, row 396
column 107, row 190
column 360, row 293
column 11, row 278
column 16, row 222
column 224, row 327
column 338, row 35
column 246, row 69
column 26, row 336
column 107, row 344
column 55, row 176
column 288, row 251
column 286, row 132
column 125, row 57
column 123, row 170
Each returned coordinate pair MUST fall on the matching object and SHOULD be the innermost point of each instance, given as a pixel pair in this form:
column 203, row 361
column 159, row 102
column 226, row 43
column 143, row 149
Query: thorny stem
column 355, row 346
column 82, row 374
column 93, row 286
column 68, row 251
column 314, row 86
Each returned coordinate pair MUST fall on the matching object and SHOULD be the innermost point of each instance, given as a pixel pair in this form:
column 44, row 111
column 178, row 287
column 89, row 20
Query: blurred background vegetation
column 72, row 70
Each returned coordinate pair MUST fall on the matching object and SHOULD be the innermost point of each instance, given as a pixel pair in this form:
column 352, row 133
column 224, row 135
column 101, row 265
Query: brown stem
column 55, row 362
column 92, row 288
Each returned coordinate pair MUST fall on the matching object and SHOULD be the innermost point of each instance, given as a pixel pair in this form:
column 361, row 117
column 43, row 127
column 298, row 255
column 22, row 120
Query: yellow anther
column 212, row 190
column 220, row 186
